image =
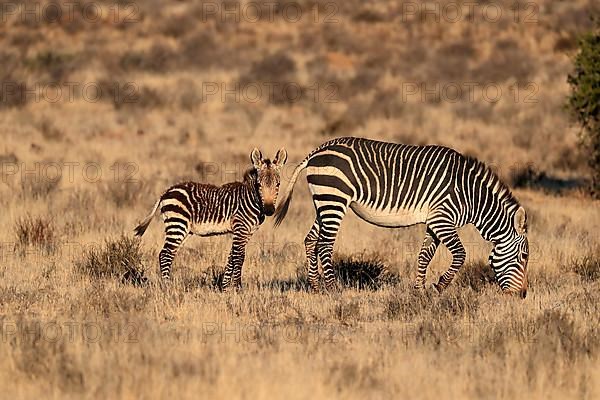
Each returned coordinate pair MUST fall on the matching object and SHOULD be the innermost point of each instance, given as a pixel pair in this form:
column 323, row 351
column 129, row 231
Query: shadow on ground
column 531, row 178
column 363, row 272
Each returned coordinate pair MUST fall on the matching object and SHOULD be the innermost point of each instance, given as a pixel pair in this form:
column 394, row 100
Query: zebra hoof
column 438, row 287
column 314, row 288
column 333, row 288
column 227, row 289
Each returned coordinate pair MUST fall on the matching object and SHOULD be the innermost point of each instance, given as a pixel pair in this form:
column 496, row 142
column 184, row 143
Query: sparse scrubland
column 82, row 311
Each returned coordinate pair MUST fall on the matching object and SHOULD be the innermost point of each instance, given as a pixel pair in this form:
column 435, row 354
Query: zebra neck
column 490, row 202
column 251, row 188
column 495, row 222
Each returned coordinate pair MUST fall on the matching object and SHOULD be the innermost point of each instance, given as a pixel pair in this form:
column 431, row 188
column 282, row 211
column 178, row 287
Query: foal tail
column 141, row 228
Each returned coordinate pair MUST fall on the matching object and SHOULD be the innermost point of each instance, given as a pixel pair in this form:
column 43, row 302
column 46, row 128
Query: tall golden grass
column 79, row 173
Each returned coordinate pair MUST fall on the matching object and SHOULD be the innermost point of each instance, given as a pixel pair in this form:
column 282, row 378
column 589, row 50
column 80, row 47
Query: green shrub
column 584, row 102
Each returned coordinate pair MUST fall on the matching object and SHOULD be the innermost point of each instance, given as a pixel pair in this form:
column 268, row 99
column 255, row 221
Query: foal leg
column 177, row 231
column 233, row 271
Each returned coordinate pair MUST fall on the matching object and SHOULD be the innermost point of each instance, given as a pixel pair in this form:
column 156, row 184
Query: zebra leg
column 236, row 277
column 329, row 225
column 430, row 244
column 233, row 271
column 173, row 242
column 449, row 237
column 310, row 244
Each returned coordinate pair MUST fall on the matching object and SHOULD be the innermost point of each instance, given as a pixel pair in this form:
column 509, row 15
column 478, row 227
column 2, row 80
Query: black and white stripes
column 395, row 185
column 205, row 210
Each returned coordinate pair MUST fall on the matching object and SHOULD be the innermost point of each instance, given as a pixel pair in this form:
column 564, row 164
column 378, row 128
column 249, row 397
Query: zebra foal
column 394, row 185
column 200, row 209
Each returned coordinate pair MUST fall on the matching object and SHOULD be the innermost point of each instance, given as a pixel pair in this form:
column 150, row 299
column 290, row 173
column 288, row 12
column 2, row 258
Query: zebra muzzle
column 269, row 209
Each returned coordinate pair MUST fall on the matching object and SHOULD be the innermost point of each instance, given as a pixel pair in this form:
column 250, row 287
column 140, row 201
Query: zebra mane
column 492, row 181
column 250, row 175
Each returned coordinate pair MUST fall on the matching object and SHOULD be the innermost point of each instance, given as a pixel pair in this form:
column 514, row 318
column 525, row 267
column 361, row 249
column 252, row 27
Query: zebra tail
column 141, row 228
column 284, row 201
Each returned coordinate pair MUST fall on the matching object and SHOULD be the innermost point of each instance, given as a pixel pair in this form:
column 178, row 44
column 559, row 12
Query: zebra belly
column 390, row 218
column 211, row 228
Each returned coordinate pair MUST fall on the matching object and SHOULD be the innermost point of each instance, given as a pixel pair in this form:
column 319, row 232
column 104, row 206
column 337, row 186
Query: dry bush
column 24, row 40
column 159, row 58
column 387, row 104
column 115, row 258
column 187, row 96
column 451, row 62
column 9, row 158
column 588, row 266
column 14, row 85
column 363, row 271
column 506, row 61
column 342, row 39
column 38, row 232
column 129, row 95
column 277, row 69
column 134, row 277
column 177, row 26
column 56, row 65
column 15, row 93
column 203, row 50
column 368, row 16
column 49, row 130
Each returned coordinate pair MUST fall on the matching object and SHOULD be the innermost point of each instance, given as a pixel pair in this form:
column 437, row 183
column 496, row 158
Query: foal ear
column 256, row 158
column 280, row 157
column 521, row 221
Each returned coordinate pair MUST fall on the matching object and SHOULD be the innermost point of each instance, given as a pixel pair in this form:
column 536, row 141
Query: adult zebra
column 394, row 185
column 239, row 208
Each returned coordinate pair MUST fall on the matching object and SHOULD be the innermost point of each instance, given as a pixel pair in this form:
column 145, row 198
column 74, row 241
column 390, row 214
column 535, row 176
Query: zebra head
column 268, row 177
column 509, row 258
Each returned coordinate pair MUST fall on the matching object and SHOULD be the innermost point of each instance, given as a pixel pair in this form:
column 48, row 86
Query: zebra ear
column 521, row 221
column 280, row 157
column 256, row 158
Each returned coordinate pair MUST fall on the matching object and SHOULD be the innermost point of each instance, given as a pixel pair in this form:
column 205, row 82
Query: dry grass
column 36, row 232
column 117, row 257
column 81, row 312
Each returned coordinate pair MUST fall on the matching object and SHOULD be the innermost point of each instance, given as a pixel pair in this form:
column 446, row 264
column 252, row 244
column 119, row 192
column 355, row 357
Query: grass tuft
column 38, row 232
column 588, row 266
column 121, row 257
